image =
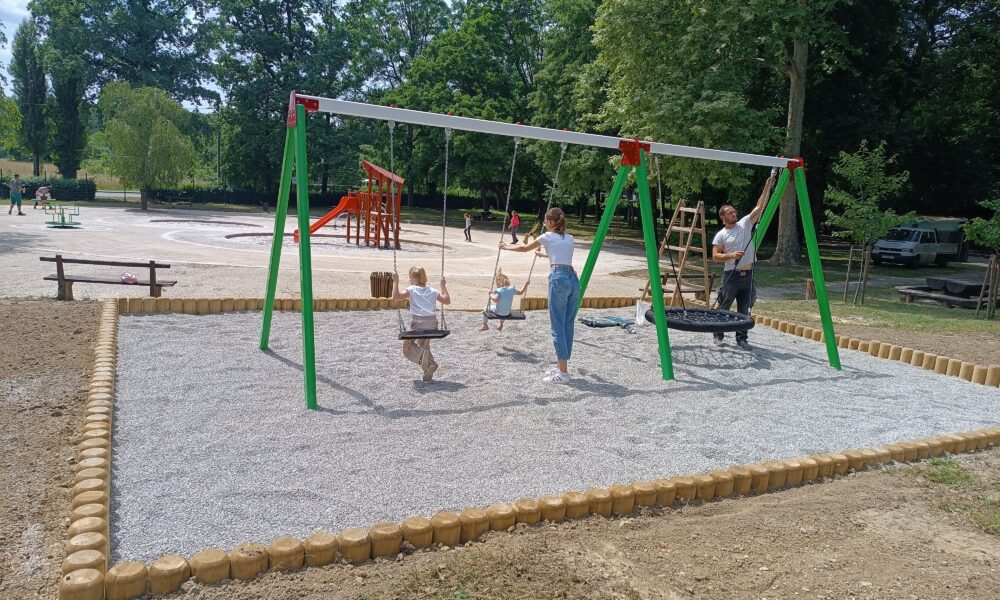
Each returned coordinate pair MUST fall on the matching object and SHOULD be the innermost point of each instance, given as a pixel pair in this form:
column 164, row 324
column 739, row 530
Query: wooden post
column 810, row 289
column 155, row 293
column 847, row 278
column 61, row 279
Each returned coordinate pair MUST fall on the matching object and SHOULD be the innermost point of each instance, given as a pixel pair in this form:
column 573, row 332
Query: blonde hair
column 502, row 279
column 419, row 275
column 557, row 217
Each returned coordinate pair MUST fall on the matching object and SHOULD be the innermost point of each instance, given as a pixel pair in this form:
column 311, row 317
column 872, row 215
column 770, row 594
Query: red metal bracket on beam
column 310, row 104
column 630, row 151
column 796, row 163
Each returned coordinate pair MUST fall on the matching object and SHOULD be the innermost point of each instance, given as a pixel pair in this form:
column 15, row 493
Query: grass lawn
column 9, row 167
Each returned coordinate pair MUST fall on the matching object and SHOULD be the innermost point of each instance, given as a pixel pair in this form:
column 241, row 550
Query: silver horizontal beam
column 417, row 117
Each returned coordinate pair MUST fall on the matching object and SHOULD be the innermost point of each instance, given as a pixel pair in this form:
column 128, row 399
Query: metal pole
column 812, row 245
column 602, row 228
column 417, row 117
column 771, row 208
column 653, row 262
column 280, row 210
column 305, row 257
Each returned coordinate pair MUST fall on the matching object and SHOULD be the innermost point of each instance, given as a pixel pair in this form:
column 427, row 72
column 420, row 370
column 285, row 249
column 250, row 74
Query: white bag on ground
column 640, row 312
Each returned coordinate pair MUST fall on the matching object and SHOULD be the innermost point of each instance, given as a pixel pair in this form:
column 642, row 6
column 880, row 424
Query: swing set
column 635, row 154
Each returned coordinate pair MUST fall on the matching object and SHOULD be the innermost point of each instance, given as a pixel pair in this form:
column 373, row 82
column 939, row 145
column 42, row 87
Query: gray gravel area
column 213, row 445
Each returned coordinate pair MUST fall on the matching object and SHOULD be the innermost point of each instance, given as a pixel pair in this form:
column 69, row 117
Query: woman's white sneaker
column 561, row 378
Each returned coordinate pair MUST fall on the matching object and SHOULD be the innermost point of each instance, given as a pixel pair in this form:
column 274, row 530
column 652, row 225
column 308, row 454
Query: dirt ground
column 982, row 350
column 887, row 534
column 47, row 358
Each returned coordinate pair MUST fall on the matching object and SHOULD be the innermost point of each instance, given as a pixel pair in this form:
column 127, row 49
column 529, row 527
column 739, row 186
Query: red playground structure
column 378, row 207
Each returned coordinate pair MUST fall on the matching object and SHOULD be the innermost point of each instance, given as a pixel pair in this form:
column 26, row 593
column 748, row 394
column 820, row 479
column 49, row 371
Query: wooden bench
column 65, row 282
column 909, row 294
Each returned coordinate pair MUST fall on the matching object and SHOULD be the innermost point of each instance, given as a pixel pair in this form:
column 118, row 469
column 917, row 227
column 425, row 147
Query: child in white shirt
column 423, row 304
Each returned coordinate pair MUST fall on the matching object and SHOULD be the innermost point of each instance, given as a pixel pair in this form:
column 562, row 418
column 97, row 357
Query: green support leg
column 305, row 257
column 653, row 262
column 280, row 210
column 812, row 245
column 602, row 228
column 772, row 207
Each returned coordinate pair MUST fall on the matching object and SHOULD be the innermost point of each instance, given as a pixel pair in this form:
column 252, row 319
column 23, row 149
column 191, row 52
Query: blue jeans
column 564, row 298
column 741, row 289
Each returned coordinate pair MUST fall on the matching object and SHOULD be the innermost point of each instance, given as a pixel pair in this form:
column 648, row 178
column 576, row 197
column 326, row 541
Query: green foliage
column 948, row 472
column 860, row 216
column 64, row 50
column 143, row 135
column 30, row 89
column 986, row 232
column 162, row 43
column 484, row 68
column 387, row 35
column 10, row 123
column 62, row 189
column 293, row 45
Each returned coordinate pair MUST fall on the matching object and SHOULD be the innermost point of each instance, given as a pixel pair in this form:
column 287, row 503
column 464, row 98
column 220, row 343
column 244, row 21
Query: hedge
column 205, row 195
column 62, row 189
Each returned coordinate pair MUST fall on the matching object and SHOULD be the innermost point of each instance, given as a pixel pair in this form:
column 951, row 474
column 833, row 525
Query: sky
column 12, row 12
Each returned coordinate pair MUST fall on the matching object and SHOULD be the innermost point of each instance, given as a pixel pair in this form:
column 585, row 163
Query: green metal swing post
column 796, row 169
column 294, row 158
column 634, row 156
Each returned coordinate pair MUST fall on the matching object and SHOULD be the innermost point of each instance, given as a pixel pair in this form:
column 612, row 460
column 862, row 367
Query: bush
column 198, row 194
column 72, row 190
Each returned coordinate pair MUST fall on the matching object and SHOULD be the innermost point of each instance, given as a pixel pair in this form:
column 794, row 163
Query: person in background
column 16, row 189
column 468, row 227
column 43, row 194
column 515, row 222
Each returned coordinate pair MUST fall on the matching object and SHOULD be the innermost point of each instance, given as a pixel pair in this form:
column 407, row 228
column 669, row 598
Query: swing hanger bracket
column 796, row 163
column 630, row 151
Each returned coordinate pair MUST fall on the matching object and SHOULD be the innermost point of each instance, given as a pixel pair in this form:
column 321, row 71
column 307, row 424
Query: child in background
column 43, row 195
column 423, row 305
column 502, row 299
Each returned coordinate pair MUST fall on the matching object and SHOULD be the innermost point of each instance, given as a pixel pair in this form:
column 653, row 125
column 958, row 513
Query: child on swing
column 502, row 300
column 423, row 304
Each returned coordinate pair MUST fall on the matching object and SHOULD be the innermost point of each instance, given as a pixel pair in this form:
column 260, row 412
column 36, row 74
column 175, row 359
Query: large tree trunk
column 36, row 165
column 786, row 252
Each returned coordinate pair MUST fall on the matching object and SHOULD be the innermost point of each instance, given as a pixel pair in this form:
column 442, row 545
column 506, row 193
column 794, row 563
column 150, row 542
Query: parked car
column 929, row 240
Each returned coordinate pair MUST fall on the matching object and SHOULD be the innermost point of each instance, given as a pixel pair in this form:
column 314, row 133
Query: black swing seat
column 704, row 320
column 515, row 315
column 424, row 334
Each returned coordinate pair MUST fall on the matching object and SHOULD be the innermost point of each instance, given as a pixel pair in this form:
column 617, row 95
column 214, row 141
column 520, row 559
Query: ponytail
column 557, row 219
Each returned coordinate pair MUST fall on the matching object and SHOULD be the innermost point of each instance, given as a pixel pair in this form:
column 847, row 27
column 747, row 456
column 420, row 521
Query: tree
column 10, row 123
column 30, row 89
column 386, row 36
column 569, row 91
column 157, row 43
column 143, row 134
column 265, row 51
column 862, row 216
column 685, row 72
column 484, row 68
column 986, row 232
column 64, row 50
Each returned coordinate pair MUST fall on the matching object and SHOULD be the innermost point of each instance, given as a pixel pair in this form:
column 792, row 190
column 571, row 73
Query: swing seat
column 515, row 315
column 704, row 320
column 424, row 334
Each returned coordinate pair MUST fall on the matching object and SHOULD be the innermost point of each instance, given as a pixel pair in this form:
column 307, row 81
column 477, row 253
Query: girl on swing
column 423, row 304
column 502, row 300
column 564, row 287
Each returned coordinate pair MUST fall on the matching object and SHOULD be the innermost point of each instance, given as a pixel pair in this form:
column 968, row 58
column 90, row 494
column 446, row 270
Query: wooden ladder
column 687, row 223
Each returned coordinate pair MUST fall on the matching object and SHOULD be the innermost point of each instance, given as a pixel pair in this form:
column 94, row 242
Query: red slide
column 347, row 203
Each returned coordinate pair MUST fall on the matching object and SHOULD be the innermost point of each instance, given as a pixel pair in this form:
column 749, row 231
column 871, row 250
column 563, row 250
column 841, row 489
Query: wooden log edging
column 384, row 540
column 988, row 375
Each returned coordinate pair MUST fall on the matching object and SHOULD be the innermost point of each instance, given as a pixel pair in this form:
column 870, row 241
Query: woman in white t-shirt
column 564, row 288
column 423, row 306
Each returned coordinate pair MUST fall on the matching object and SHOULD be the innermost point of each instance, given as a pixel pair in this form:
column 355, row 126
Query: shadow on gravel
column 12, row 242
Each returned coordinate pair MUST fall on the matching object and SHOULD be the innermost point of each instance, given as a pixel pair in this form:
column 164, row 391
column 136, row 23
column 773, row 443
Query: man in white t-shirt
column 733, row 247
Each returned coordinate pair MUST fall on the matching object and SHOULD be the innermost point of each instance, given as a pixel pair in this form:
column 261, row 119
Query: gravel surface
column 213, row 447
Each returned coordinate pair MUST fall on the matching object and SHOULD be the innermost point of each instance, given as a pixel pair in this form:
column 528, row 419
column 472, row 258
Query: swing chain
column 444, row 214
column 503, row 227
column 548, row 205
